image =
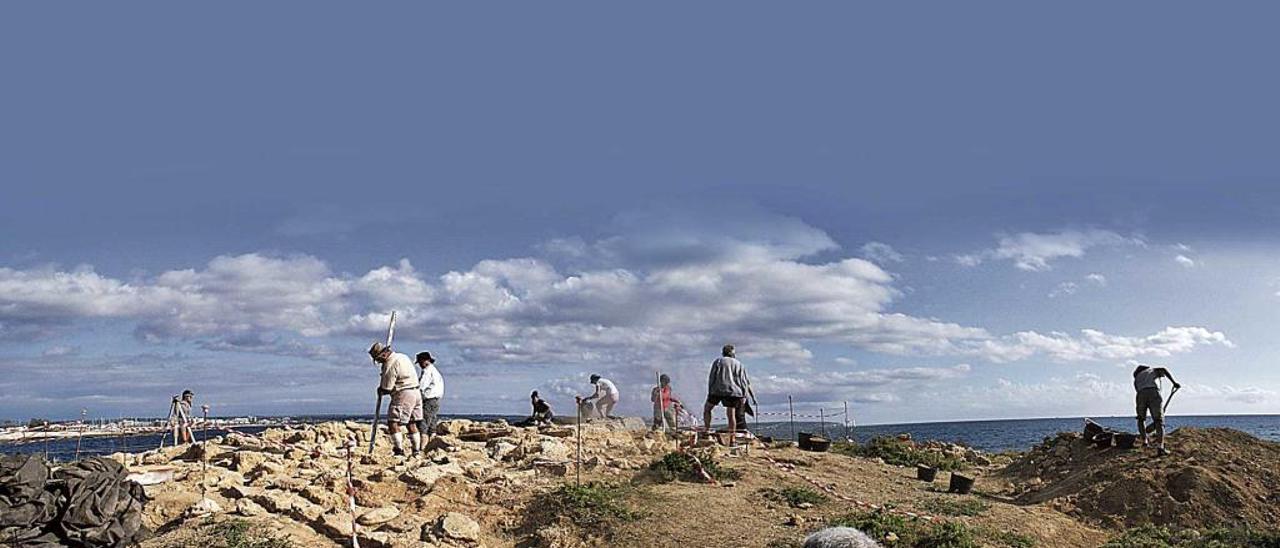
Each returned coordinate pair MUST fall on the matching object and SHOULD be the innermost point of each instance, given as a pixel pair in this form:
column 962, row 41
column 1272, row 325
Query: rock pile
column 467, row 489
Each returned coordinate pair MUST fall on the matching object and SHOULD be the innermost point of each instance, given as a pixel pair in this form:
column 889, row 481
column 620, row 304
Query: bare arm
column 1165, row 373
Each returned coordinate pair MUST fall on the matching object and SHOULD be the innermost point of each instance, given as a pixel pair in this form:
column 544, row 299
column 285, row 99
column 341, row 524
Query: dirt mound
column 1213, row 477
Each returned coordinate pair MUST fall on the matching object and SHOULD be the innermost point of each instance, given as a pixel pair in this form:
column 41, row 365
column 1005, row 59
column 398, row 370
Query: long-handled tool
column 377, row 407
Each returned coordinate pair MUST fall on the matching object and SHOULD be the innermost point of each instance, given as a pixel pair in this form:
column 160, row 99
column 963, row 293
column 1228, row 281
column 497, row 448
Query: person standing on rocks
column 400, row 381
column 727, row 385
column 664, row 411
column 605, row 397
column 431, row 384
column 1149, row 399
column 185, row 420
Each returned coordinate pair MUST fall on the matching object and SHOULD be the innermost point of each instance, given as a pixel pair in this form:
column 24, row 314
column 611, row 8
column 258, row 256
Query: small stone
column 247, row 508
column 378, row 516
column 458, row 526
column 204, row 507
column 795, row 520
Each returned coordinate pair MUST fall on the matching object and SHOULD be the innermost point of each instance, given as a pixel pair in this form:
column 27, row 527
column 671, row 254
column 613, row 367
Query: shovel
column 377, row 409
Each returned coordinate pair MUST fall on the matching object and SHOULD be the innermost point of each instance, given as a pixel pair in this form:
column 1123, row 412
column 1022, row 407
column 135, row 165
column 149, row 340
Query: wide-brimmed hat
column 424, row 356
column 377, row 349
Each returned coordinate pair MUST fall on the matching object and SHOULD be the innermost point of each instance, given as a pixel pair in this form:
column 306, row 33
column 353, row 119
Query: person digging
column 401, row 382
column 604, row 398
column 1149, row 399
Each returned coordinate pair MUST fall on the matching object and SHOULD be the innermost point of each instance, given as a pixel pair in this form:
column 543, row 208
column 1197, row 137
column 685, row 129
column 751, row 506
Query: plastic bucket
column 926, row 473
column 1104, row 439
column 1126, row 440
column 802, row 439
column 819, row 444
column 960, row 484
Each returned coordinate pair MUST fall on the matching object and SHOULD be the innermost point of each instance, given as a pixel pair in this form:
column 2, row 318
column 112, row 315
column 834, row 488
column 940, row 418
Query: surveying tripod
column 179, row 422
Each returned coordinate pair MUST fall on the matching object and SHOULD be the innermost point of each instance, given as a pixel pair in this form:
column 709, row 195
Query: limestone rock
column 248, row 508
column 335, row 524
column 458, row 526
column 454, row 427
column 245, row 461
column 378, row 516
column 427, row 475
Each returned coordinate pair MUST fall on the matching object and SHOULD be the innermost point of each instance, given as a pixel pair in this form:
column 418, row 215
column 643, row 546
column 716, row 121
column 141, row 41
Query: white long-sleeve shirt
column 431, row 383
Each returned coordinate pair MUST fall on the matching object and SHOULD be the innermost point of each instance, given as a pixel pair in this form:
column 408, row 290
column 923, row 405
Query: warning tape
column 832, row 414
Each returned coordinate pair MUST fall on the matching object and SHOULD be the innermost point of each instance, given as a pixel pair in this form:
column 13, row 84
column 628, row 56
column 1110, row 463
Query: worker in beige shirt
column 401, row 382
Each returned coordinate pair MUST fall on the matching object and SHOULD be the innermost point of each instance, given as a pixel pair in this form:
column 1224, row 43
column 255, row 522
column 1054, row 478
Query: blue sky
column 933, row 211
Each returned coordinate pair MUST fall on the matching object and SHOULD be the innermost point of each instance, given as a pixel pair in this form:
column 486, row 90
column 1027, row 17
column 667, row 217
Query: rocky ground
column 486, row 484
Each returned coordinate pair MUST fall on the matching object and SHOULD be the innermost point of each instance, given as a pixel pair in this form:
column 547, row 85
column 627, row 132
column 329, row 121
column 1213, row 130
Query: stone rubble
column 466, row 489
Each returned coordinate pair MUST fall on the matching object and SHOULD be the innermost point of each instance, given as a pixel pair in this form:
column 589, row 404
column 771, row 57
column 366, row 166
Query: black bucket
column 1104, row 439
column 960, row 484
column 818, row 444
column 1125, row 440
column 926, row 473
column 802, row 439
column 1092, row 429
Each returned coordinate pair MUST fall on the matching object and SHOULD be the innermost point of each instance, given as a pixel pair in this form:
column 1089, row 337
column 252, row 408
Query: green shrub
column 793, row 496
column 681, row 466
column 1151, row 536
column 967, row 506
column 590, row 504
column 897, row 452
column 232, row 533
column 917, row 533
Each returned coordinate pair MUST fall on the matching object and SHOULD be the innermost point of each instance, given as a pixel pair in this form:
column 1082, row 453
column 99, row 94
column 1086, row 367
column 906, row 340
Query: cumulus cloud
column 669, row 292
column 1034, row 252
column 1185, row 261
column 881, row 253
column 1096, row 278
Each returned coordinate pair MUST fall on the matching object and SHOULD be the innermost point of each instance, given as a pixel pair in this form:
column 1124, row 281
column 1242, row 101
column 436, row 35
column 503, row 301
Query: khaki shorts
column 406, row 406
column 1149, row 400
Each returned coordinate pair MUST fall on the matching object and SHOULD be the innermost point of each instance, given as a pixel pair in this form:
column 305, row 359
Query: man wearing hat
column 432, row 387
column 399, row 380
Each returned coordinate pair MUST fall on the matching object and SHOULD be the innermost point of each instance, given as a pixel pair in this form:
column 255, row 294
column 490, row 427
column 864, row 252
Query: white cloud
column 1093, row 345
column 1063, row 289
column 664, row 295
column 1096, row 278
column 1034, row 252
column 1185, row 261
column 881, row 253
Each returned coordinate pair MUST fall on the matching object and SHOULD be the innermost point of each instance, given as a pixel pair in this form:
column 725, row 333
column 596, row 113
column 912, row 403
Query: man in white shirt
column 1149, row 399
column 606, row 396
column 431, row 384
column 400, row 381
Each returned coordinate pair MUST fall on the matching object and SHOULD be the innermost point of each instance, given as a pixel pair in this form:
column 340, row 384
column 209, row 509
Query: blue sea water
column 991, row 435
column 1022, row 434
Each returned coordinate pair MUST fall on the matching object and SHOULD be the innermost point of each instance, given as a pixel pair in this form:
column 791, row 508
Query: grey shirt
column 728, row 378
column 1146, row 379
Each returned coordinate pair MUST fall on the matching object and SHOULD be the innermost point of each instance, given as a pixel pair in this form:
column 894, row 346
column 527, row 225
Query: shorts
column 406, row 406
column 731, row 402
column 1149, row 399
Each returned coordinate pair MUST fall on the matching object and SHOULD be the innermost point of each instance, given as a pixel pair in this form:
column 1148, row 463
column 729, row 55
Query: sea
column 986, row 435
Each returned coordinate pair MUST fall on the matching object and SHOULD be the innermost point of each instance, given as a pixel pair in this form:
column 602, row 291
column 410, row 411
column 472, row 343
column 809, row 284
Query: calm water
column 1000, row 435
column 1019, row 435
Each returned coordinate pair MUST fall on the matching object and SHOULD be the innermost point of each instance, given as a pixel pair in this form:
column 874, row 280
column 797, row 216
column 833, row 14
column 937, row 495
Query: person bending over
column 1149, row 399
column 605, row 396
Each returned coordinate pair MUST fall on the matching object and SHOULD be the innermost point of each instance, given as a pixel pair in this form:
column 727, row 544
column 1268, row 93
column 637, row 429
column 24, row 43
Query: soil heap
column 1213, row 477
